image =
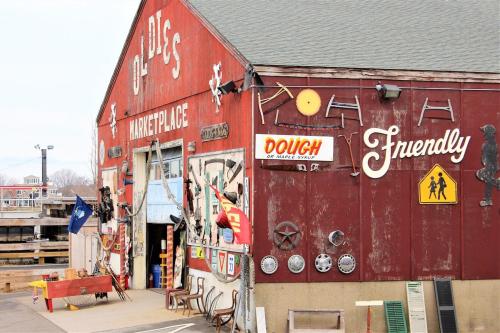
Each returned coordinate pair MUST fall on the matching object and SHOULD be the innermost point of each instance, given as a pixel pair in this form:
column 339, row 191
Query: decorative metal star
column 286, row 235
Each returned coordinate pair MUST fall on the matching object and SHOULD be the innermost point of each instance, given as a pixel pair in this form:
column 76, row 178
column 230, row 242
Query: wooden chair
column 228, row 312
column 198, row 296
column 174, row 295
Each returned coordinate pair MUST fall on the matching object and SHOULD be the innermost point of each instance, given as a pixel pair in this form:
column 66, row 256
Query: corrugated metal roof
column 437, row 35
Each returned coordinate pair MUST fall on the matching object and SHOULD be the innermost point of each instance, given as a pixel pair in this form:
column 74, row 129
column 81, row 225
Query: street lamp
column 44, row 166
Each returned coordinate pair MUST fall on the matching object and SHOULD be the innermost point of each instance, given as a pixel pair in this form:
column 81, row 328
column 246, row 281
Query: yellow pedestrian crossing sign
column 437, row 187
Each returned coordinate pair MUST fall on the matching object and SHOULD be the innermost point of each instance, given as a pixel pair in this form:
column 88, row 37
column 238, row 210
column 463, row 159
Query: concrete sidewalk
column 146, row 311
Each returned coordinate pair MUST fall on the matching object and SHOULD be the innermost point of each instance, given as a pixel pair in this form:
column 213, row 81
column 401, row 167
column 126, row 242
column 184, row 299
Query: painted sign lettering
column 222, row 265
column 293, row 147
column 450, row 143
column 159, row 42
column 230, row 264
column 214, row 132
column 159, row 122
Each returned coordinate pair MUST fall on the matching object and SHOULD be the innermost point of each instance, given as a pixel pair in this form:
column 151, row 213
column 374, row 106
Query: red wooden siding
column 389, row 233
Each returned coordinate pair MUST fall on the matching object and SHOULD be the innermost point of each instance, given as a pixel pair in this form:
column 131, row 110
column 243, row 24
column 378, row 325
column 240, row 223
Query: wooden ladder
column 163, row 268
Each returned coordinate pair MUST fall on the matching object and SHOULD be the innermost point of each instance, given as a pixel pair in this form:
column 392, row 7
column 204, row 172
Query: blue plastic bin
column 156, row 276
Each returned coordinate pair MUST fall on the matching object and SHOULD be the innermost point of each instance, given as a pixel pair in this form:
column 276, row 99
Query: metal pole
column 44, row 171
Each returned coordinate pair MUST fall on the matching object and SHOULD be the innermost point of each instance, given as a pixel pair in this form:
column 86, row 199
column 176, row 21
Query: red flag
column 237, row 219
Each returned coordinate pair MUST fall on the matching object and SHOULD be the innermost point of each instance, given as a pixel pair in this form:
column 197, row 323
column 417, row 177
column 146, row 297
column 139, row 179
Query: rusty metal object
column 302, row 126
column 286, row 235
column 428, row 107
column 235, row 168
column 333, row 104
column 336, row 238
column 197, row 189
column 349, row 141
column 489, row 159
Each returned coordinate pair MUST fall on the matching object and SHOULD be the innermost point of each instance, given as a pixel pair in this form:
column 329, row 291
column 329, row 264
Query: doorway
column 159, row 209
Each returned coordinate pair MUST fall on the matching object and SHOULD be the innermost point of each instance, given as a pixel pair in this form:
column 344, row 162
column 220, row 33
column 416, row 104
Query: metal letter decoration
column 215, row 132
column 114, row 152
column 296, row 263
column 489, row 159
column 286, row 235
column 269, row 265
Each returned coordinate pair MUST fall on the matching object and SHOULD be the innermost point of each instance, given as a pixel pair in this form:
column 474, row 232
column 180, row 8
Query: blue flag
column 80, row 215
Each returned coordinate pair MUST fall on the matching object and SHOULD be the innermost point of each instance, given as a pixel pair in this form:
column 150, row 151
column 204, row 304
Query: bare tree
column 6, row 180
column 66, row 177
column 93, row 154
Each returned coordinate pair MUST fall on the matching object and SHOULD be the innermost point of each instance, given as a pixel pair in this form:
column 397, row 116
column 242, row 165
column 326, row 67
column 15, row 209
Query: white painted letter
column 184, row 114
column 166, row 53
column 461, row 149
column 158, row 33
column 393, row 130
column 131, row 129
column 177, row 69
column 152, row 37
column 136, row 74
column 144, row 66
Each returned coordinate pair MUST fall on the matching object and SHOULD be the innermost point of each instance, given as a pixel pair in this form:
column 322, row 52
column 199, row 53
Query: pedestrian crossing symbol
column 437, row 187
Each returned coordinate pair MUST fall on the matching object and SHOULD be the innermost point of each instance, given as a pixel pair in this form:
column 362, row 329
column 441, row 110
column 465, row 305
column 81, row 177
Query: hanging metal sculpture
column 333, row 104
column 269, row 265
column 302, row 126
column 437, row 107
column 286, row 236
column 296, row 264
column 323, row 263
column 214, row 84
column 489, row 159
column 282, row 91
column 346, row 264
column 349, row 144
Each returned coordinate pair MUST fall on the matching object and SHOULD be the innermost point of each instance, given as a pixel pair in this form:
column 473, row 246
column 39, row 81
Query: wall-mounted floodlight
column 388, row 91
column 228, row 87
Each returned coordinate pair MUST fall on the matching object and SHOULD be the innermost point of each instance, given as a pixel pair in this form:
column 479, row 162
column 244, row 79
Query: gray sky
column 56, row 61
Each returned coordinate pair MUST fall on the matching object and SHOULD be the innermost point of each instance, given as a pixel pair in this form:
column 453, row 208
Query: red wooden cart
column 76, row 287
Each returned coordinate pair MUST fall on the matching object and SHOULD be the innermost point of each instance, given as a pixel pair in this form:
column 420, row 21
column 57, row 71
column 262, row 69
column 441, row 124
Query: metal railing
column 21, row 198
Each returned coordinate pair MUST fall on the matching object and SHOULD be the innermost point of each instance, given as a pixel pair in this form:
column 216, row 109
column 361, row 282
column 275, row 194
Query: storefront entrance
column 159, row 209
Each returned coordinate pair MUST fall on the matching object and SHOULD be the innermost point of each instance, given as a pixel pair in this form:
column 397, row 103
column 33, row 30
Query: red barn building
column 353, row 135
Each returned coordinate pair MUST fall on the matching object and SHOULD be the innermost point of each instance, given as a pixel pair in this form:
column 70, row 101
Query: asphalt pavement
column 145, row 314
column 16, row 317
